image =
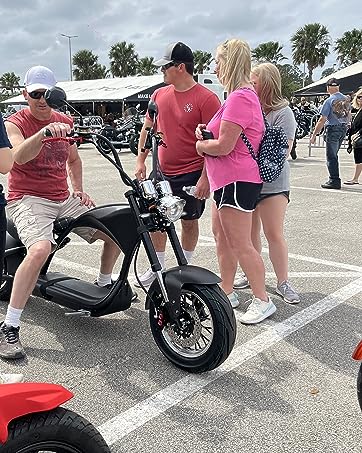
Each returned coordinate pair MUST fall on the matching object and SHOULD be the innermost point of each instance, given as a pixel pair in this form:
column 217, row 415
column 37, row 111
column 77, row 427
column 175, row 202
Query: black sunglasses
column 36, row 94
column 359, row 97
column 169, row 65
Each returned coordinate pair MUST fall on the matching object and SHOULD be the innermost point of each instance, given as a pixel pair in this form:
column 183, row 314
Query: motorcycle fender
column 175, row 278
column 17, row 400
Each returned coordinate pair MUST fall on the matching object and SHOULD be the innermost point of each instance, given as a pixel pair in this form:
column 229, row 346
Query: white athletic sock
column 188, row 255
column 104, row 279
column 161, row 258
column 12, row 317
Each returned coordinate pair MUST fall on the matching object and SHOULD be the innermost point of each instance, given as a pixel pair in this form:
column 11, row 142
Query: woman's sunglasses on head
column 36, row 94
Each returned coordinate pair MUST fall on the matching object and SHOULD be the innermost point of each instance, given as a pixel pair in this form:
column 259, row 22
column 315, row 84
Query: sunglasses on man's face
column 36, row 94
column 169, row 65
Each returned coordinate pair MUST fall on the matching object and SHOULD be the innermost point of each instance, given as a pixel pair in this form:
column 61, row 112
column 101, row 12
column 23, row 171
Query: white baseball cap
column 39, row 78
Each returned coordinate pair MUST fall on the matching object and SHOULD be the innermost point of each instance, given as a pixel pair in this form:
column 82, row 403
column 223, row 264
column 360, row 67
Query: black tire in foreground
column 208, row 331
column 359, row 386
column 59, row 430
column 6, row 286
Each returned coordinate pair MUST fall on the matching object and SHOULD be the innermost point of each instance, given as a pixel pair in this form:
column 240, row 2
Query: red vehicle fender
column 357, row 355
column 17, row 400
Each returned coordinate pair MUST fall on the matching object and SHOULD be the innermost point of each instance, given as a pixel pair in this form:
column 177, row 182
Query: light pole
column 70, row 52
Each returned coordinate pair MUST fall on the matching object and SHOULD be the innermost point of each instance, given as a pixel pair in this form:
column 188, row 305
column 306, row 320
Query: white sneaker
column 11, row 378
column 241, row 282
column 257, row 311
column 234, row 300
column 146, row 279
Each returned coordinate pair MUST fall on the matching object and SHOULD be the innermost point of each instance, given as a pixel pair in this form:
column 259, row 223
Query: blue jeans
column 334, row 138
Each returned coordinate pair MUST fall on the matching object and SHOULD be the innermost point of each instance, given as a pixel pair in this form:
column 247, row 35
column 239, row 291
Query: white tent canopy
column 350, row 78
column 103, row 90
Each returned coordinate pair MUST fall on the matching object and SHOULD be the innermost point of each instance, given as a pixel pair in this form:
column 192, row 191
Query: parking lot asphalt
column 289, row 385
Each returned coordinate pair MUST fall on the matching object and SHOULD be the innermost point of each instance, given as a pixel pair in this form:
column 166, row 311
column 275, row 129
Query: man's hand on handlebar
column 57, row 130
column 85, row 199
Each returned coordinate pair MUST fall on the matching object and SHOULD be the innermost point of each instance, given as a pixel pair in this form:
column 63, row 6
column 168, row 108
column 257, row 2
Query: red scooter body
column 17, row 400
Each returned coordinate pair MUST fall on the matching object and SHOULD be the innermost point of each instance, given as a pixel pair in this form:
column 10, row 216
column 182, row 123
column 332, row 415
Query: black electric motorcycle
column 191, row 318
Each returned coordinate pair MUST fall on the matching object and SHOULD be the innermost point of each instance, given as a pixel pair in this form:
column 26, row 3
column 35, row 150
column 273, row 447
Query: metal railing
column 320, row 139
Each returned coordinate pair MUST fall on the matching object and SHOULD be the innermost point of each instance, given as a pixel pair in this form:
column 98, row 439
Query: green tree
column 310, row 45
column 202, row 61
column 327, row 72
column 86, row 66
column 292, row 79
column 146, row 67
column 10, row 83
column 123, row 59
column 349, row 47
column 270, row 51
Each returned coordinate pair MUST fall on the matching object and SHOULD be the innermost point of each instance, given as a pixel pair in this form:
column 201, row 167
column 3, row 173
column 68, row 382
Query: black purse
column 356, row 140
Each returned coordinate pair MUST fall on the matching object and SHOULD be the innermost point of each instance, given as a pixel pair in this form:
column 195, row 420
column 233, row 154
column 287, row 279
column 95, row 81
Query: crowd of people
column 243, row 205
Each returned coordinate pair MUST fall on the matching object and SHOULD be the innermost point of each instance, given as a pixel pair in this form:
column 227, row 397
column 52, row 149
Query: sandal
column 351, row 182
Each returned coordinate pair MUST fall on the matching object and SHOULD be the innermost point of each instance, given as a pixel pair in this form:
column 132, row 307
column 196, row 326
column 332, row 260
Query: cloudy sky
column 31, row 29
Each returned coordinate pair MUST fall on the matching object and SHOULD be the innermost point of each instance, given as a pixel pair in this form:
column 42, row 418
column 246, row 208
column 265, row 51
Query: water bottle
column 190, row 190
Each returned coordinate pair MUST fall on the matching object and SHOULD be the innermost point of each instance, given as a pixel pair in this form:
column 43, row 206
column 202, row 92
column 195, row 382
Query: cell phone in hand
column 207, row 135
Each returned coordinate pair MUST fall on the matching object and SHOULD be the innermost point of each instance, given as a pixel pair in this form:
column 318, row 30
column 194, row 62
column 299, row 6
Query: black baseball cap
column 178, row 52
column 333, row 82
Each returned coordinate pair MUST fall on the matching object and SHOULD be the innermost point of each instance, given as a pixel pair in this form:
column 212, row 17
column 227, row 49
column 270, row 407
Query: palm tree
column 146, row 67
column 9, row 81
column 202, row 61
column 123, row 59
column 87, row 66
column 327, row 72
column 270, row 51
column 349, row 47
column 310, row 45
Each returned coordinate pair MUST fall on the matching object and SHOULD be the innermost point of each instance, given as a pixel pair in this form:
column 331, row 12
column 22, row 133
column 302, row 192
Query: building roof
column 350, row 78
column 107, row 90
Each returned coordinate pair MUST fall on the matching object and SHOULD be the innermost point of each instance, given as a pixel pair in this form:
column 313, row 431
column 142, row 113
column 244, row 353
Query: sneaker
column 257, row 311
column 10, row 346
column 234, row 300
column 331, row 185
column 146, row 279
column 287, row 292
column 11, row 378
column 109, row 286
column 242, row 282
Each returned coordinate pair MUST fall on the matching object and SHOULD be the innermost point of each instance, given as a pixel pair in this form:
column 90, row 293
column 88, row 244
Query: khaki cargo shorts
column 34, row 218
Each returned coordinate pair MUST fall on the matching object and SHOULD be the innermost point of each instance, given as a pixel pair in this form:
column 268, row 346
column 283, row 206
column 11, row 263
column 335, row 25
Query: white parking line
column 135, row 417
column 316, row 189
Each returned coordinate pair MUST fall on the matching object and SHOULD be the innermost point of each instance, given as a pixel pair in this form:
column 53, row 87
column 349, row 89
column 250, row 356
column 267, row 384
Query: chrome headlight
column 171, row 207
column 164, row 188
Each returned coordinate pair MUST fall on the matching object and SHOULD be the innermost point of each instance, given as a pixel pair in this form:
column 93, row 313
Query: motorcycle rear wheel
column 208, row 333
column 59, row 430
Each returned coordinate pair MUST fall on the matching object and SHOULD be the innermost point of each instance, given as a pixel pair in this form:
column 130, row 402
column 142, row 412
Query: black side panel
column 115, row 220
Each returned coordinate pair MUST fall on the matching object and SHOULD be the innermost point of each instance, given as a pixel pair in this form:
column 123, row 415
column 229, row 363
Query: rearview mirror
column 152, row 110
column 55, row 97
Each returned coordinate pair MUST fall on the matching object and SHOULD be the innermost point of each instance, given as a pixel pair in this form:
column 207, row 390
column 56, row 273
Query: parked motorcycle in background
column 306, row 120
column 123, row 133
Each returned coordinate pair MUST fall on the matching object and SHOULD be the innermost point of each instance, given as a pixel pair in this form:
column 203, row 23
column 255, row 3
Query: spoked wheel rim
column 197, row 332
column 49, row 447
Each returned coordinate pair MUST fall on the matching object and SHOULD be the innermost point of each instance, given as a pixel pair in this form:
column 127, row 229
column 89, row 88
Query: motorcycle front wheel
column 301, row 132
column 133, row 144
column 59, row 430
column 206, row 332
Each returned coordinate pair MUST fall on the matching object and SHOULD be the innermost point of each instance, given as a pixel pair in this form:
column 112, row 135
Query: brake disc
column 191, row 338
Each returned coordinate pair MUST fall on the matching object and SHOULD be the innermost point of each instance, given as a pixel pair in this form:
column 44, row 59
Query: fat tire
column 224, row 331
column 359, row 386
column 28, row 433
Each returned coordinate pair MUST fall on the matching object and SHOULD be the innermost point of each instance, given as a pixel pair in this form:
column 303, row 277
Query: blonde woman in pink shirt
column 234, row 176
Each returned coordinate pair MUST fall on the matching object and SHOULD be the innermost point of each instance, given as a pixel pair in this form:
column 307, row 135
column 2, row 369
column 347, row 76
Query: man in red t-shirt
column 182, row 105
column 38, row 193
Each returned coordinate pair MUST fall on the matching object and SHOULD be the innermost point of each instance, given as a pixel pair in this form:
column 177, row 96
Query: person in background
column 6, row 163
column 356, row 129
column 38, row 193
column 234, row 177
column 182, row 105
column 274, row 198
column 335, row 115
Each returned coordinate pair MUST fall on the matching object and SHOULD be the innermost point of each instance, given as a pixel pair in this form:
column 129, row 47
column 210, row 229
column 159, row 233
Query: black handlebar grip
column 47, row 133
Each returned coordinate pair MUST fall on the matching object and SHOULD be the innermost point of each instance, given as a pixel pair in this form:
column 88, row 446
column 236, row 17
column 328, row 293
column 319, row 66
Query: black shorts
column 263, row 196
column 239, row 195
column 194, row 207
